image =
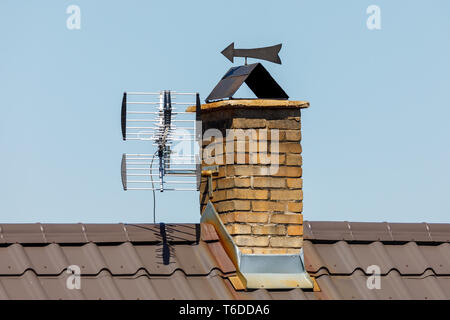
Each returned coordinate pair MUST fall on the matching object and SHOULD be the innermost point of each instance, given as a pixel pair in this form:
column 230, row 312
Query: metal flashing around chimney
column 269, row 271
column 257, row 78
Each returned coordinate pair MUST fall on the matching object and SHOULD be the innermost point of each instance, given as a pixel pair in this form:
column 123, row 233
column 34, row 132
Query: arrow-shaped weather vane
column 266, row 53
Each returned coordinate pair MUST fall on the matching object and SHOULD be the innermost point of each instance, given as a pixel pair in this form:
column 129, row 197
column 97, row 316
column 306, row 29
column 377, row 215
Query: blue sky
column 375, row 139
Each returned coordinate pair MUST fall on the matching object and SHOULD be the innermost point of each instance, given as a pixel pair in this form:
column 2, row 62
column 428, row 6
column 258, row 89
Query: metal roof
column 187, row 261
column 257, row 78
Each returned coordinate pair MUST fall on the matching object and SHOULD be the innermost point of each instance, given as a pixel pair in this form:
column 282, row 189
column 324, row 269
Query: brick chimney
column 255, row 181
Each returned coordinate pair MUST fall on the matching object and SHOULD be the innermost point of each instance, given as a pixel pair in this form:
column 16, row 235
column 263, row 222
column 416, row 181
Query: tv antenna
column 159, row 118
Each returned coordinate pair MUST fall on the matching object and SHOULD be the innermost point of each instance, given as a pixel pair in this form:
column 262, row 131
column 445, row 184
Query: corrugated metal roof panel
column 409, row 259
column 97, row 233
column 105, row 232
column 208, row 232
column 119, row 259
column 179, row 265
column 22, row 233
column 409, row 232
column 393, row 286
column 176, row 233
column 65, row 233
column 376, row 231
column 324, row 230
column 438, row 257
column 366, row 231
column 439, row 231
column 224, row 262
column 143, row 232
column 48, row 259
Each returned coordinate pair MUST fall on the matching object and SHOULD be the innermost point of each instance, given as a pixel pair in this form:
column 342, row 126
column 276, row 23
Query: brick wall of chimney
column 262, row 211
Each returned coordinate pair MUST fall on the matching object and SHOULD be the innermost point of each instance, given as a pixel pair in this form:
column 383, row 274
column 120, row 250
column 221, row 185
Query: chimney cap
column 257, row 78
column 251, row 104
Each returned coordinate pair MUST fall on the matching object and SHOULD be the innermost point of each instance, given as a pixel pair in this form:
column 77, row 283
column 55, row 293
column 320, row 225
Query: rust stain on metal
column 316, row 287
column 237, row 283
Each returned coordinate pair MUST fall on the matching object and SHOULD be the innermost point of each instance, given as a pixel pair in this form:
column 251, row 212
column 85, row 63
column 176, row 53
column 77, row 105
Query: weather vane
column 265, row 53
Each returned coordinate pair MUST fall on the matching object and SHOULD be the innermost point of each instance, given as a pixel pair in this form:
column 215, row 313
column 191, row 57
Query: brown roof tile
column 376, row 231
column 208, row 232
column 187, row 261
column 65, row 233
column 22, row 233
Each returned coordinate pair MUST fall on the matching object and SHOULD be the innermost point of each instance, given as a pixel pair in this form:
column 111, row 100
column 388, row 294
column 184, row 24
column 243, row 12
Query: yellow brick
column 242, row 182
column 268, row 182
column 239, row 228
column 293, row 159
column 294, row 183
column 268, row 229
column 283, row 124
column 251, row 241
column 295, row 206
column 241, row 170
column 246, row 250
column 222, row 171
column 290, row 147
column 281, row 159
column 270, row 250
column 295, row 230
column 290, row 218
column 286, row 242
column 242, row 147
column 219, row 195
column 267, row 206
column 260, row 217
column 248, row 123
column 286, row 194
column 246, row 158
column 240, row 205
column 224, row 206
column 225, row 183
column 266, row 135
column 288, row 172
column 269, row 158
column 293, row 135
column 227, row 217
column 260, row 170
column 247, row 194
